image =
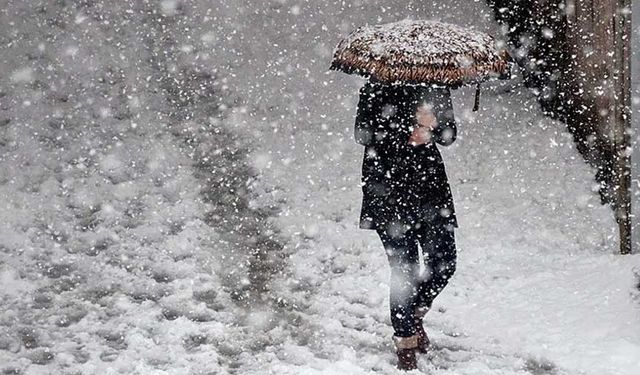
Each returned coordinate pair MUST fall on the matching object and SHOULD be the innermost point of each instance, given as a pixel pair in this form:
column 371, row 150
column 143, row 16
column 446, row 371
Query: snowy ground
column 121, row 255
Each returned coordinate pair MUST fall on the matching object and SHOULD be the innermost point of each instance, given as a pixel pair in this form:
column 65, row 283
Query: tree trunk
column 622, row 126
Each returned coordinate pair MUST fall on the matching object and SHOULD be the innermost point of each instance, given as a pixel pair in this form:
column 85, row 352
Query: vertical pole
column 622, row 128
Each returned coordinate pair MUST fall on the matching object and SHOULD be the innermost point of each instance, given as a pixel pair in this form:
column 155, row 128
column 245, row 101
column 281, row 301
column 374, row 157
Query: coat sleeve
column 445, row 133
column 364, row 129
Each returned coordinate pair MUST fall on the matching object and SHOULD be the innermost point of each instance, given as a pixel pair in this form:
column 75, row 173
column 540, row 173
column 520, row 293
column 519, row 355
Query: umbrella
column 422, row 52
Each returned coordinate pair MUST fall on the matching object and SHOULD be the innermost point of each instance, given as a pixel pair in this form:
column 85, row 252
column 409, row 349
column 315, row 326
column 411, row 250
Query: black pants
column 408, row 287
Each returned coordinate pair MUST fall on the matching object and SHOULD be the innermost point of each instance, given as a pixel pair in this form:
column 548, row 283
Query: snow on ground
column 123, row 250
column 127, row 243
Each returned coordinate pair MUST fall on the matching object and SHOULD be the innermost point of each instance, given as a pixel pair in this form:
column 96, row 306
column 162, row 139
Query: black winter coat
column 404, row 186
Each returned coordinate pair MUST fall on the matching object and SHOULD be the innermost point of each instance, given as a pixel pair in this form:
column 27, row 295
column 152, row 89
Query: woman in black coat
column 407, row 199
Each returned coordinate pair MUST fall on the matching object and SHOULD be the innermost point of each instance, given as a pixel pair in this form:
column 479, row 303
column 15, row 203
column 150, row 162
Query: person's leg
column 402, row 253
column 439, row 251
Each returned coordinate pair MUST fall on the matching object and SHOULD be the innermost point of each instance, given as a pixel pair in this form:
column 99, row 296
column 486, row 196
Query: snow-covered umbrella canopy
column 422, row 52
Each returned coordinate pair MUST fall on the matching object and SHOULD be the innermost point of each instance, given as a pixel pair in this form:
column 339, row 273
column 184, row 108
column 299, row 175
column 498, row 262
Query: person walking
column 407, row 199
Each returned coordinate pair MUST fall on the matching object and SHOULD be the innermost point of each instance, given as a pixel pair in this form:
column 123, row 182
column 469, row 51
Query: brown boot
column 406, row 351
column 423, row 339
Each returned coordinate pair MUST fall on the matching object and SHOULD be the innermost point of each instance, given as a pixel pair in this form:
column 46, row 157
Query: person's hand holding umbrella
column 426, row 123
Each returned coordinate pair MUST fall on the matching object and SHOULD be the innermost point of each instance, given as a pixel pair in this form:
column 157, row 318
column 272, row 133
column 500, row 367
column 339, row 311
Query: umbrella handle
column 476, row 103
